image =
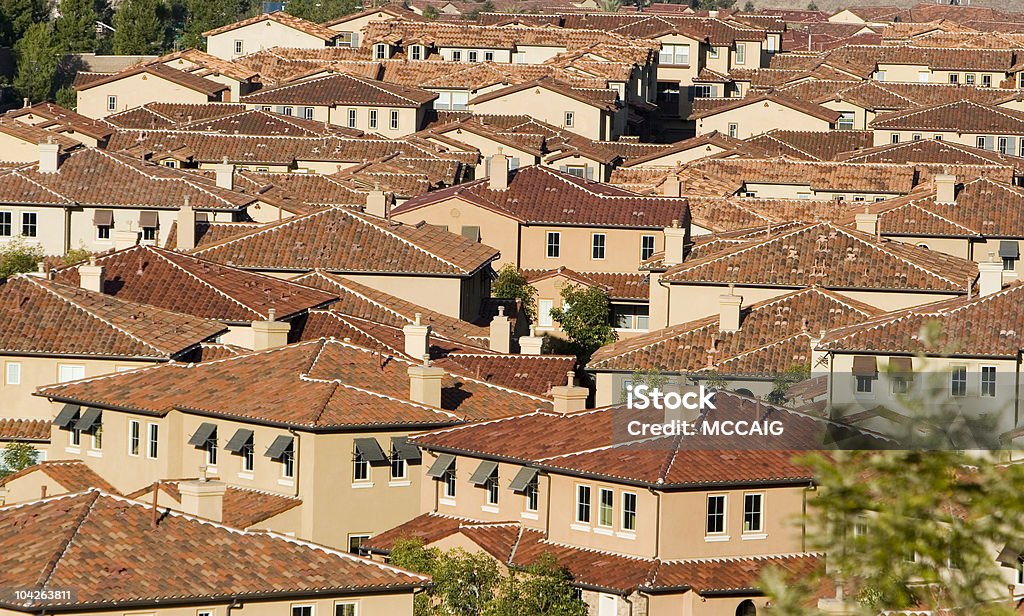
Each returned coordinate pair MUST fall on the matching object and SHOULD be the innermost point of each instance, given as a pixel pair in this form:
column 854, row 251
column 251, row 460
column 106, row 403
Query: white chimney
column 990, row 276
column 417, row 338
column 532, row 344
column 225, row 174
column 377, row 203
column 271, row 333
column 945, row 188
column 49, row 156
column 867, row 222
column 500, row 338
column 186, row 227
column 125, row 238
column 569, row 398
column 203, row 498
column 425, row 383
column 91, row 276
column 675, row 241
column 671, row 186
column 498, row 179
column 729, row 311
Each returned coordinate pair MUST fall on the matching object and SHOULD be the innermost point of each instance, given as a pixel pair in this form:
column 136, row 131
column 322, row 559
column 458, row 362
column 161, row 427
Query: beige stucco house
column 104, row 95
column 277, row 29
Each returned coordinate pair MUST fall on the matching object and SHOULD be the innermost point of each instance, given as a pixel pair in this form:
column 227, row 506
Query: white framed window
column 488, row 56
column 210, row 450
column 753, row 512
column 288, row 111
column 456, row 56
column 605, row 507
column 355, row 542
column 380, row 51
column 373, row 118
column 491, row 486
column 239, row 48
column 958, row 381
column 149, row 233
column 741, row 53
column 353, row 116
column 628, row 511
column 554, row 244
column 894, row 138
column 544, row 308
column 988, row 381
column 570, row 118
column 134, row 437
column 846, row 120
column 986, row 81
column 864, row 384
column 97, row 438
column 1020, row 562
column 915, row 137
column 205, row 613
column 532, row 494
column 13, row 373
column 111, row 102
column 1003, row 145
column 646, row 247
column 348, row 608
column 307, row 113
column 450, row 480
column 29, row 224
column 153, row 446
column 398, row 464
column 954, row 78
column 598, row 243
column 416, row 52
column 583, row 504
column 715, row 515
column 288, row 463
column 7, row 222
column 103, row 232
column 899, row 385
column 360, row 467
column 674, row 54
column 969, row 79
column 980, row 142
column 394, row 119
column 70, row 372
column 302, row 610
column 75, row 437
column 248, row 456
column 472, row 56
column 713, row 52
column 734, row 129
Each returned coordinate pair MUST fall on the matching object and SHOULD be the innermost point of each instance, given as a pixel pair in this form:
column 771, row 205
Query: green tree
column 17, row 456
column 17, row 257
column 17, row 15
column 430, row 13
column 812, row 6
column 487, row 7
column 203, row 15
column 464, row 583
column 610, row 6
column 782, row 382
column 539, row 589
column 37, row 56
column 75, row 255
column 511, row 284
column 75, row 29
column 320, row 10
column 651, row 378
column 140, row 27
column 585, row 317
column 66, row 97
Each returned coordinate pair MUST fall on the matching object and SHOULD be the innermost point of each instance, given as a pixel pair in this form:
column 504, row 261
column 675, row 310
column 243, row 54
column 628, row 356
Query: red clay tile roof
column 243, row 507
column 774, row 336
column 162, row 71
column 169, row 115
column 983, row 208
column 341, row 89
column 714, row 138
column 35, row 135
column 259, row 122
column 539, row 195
column 45, row 317
column 210, row 351
column 37, row 430
column 986, row 326
column 297, row 23
column 74, row 536
column 341, row 240
column 725, row 214
column 812, row 145
column 60, row 119
column 964, row 117
column 72, row 475
column 190, row 285
column 600, row 98
column 931, row 152
column 85, row 176
column 203, row 64
column 314, row 386
column 711, row 576
column 832, row 257
column 820, row 176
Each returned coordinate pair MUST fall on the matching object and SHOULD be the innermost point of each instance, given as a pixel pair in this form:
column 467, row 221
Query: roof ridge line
column 200, row 280
column 51, row 566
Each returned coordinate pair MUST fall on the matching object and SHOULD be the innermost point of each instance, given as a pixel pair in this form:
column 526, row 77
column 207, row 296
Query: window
column 380, row 51
column 899, row 385
column 958, row 381
column 980, row 142
column 954, row 78
column 716, row 514
column 204, row 613
column 154, row 441
column 880, row 75
column 360, row 467
column 134, row 437
column 288, row 111
column 149, row 233
column 29, row 224
column 456, row 56
column 1021, row 84
column 1009, row 264
column 605, row 507
column 579, row 171
column 492, row 488
column 97, row 438
column 248, row 456
column 13, row 373
column 938, row 137
column 345, row 609
column 70, row 372
column 210, row 448
column 373, row 118
column 112, row 103
column 583, row 504
column 988, row 381
column 239, row 48
column 628, row 511
column 915, row 137
column 570, row 117
column 288, row 463
column 416, row 52
column 646, row 247
column 703, row 91
column 449, row 481
column 398, row 465
column 6, row 224
column 969, row 79
column 986, row 81
column 302, row 610
column 753, row 513
column 488, row 56
column 103, row 232
column 472, row 56
column 741, row 53
column 532, row 493
column 597, row 245
column 307, row 113
column 864, row 384
column 895, row 138
column 1003, row 145
column 734, row 129
column 355, row 542
column 713, row 53
column 630, row 316
column 675, row 54
column 75, row 436
column 394, row 119
column 544, row 308
column 352, row 117
column 553, row 244
column 845, row 120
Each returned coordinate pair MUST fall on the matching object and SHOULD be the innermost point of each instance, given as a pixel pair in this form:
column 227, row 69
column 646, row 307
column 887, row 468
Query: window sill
column 95, row 454
column 286, row 482
column 626, row 535
column 489, row 508
column 583, row 528
column 607, row 532
column 447, row 502
column 716, row 538
column 248, row 476
column 211, row 471
column 72, row 450
column 526, row 515
column 754, row 536
column 359, row 485
column 400, row 483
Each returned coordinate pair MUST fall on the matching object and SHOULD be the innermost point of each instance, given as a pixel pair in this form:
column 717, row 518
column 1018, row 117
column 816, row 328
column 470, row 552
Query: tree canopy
column 585, row 317
column 37, row 55
column 140, row 27
column 511, row 284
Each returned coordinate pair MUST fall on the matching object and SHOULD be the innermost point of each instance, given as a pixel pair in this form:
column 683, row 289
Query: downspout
column 67, row 230
column 295, row 457
column 668, row 300
column 657, row 526
column 1016, row 398
column 629, row 603
column 831, row 384
column 547, row 511
column 235, row 603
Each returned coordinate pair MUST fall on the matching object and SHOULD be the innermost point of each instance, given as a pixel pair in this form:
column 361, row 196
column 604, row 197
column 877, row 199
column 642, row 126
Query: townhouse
column 61, row 121
column 990, row 127
column 627, row 297
column 57, row 332
column 159, row 554
column 753, row 115
column 20, row 141
column 322, row 421
column 276, row 29
column 103, row 95
column 615, row 510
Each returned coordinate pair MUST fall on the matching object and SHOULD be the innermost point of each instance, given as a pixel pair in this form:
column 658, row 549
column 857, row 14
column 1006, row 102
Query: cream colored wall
column 563, row 527
column 259, row 36
column 861, row 116
column 889, row 300
column 135, row 91
column 84, row 232
column 17, row 150
column 782, row 507
column 495, row 230
column 758, row 118
column 30, row 487
column 679, row 158
column 36, row 372
column 884, row 137
column 805, row 191
column 956, row 247
column 50, row 228
column 471, row 501
column 440, row 294
column 408, row 119
column 622, row 248
column 360, row 23
column 550, row 107
column 488, row 148
column 536, row 54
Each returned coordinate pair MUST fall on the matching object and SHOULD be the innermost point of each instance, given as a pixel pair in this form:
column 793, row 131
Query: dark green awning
column 203, row 434
column 238, row 440
column 483, row 473
column 523, row 478
column 370, row 449
column 441, row 465
column 67, row 415
column 89, row 419
column 409, row 452
column 278, row 448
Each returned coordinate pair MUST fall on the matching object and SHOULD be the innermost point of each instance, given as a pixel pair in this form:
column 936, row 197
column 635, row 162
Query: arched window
column 747, row 608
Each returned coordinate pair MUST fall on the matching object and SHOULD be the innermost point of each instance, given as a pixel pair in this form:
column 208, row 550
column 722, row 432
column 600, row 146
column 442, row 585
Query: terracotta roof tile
column 931, row 152
column 259, row 122
column 181, row 78
column 204, row 65
column 169, row 115
column 46, row 317
column 341, row 89
column 283, row 18
column 190, row 285
column 820, row 176
column 625, row 286
column 964, row 117
column 24, row 430
column 242, row 508
column 802, row 106
column 34, row 135
column 812, row 145
column 60, row 119
column 595, row 97
column 85, row 532
column 72, row 475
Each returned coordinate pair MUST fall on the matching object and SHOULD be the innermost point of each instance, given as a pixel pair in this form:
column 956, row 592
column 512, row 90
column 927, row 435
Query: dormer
column 417, row 52
column 381, row 51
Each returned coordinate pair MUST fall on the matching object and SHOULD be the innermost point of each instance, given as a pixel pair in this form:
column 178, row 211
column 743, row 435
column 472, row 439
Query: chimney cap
column 501, row 311
column 272, row 314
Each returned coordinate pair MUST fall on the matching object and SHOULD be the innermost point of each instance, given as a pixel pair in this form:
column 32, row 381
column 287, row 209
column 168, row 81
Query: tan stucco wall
column 622, row 248
column 758, row 118
column 257, row 36
column 679, row 158
column 550, row 107
column 495, row 230
column 135, row 91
